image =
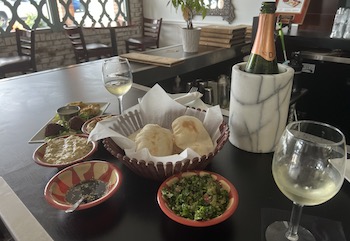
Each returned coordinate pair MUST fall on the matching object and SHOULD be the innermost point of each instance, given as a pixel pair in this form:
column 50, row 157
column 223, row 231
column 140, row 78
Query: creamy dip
column 65, row 150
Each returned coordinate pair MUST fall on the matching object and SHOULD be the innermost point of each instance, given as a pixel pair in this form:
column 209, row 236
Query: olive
column 53, row 129
column 75, row 123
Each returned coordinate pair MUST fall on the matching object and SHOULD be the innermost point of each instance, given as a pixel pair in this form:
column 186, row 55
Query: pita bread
column 157, row 139
column 133, row 135
column 189, row 132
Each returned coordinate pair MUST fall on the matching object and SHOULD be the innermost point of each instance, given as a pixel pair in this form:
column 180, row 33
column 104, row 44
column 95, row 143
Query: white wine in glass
column 117, row 77
column 308, row 167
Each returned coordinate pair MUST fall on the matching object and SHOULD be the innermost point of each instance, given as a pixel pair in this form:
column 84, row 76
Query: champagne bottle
column 262, row 59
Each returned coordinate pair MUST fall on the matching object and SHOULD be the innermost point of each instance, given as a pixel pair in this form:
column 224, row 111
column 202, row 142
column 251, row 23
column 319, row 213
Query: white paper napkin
column 157, row 107
column 187, row 99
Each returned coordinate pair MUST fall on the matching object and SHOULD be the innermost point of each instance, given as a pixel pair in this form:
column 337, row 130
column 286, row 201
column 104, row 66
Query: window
column 23, row 14
column 92, row 12
column 36, row 14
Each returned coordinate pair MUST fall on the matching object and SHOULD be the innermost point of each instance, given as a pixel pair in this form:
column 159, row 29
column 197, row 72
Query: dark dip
column 89, row 189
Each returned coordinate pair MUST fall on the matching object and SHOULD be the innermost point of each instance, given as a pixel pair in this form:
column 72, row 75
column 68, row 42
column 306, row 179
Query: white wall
column 244, row 11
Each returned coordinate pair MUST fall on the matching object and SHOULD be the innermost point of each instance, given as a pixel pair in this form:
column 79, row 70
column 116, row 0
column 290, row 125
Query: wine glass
column 117, row 77
column 308, row 167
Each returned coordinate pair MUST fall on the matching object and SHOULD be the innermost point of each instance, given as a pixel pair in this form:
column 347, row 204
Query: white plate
column 39, row 137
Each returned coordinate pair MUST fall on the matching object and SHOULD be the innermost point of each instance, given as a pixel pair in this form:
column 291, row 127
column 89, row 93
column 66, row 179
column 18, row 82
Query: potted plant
column 189, row 8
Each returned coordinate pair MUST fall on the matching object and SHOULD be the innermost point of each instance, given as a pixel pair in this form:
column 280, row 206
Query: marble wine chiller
column 259, row 107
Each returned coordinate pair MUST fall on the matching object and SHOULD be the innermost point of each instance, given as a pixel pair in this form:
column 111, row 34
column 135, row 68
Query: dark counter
column 29, row 101
column 206, row 56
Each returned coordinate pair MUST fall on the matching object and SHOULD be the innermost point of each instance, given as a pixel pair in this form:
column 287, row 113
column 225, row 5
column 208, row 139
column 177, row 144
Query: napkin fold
column 157, row 107
column 188, row 98
column 192, row 99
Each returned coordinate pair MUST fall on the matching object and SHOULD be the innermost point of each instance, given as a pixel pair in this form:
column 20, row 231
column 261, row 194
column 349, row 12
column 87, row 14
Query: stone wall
column 54, row 50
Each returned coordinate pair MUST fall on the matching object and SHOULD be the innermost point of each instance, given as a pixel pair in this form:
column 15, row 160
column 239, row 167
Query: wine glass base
column 277, row 232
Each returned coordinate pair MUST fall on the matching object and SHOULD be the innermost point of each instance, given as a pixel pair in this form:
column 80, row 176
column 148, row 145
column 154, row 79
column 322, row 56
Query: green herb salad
column 196, row 197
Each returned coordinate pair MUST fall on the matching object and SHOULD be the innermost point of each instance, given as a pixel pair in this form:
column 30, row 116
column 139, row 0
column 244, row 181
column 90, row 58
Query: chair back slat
column 82, row 51
column 25, row 40
column 151, row 28
column 150, row 38
column 76, row 37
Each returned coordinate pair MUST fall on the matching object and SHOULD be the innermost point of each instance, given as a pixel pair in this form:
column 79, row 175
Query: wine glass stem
column 120, row 100
column 292, row 233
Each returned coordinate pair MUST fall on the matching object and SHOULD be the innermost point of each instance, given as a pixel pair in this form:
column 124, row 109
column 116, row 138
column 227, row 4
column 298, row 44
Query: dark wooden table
column 29, row 101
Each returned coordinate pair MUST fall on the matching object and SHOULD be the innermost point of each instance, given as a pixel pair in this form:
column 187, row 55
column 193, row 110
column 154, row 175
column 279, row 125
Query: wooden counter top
column 147, row 74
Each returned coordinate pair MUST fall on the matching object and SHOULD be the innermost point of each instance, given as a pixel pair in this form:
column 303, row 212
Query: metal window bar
column 53, row 14
column 94, row 12
column 14, row 13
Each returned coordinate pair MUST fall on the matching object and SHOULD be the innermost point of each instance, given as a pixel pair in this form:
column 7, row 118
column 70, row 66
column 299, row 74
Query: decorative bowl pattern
column 58, row 186
column 159, row 171
column 38, row 154
column 233, row 202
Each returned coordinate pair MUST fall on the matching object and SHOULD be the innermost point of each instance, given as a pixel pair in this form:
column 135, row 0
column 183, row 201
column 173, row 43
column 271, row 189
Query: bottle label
column 264, row 44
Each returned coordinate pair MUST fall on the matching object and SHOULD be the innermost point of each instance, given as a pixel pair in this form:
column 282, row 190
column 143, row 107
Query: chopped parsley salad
column 196, row 197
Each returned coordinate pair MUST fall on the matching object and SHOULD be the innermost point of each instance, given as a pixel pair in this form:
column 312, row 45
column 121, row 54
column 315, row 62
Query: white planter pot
column 190, row 39
column 259, row 106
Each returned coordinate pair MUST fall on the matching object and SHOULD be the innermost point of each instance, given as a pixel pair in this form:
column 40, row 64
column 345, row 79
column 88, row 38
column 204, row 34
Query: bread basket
column 132, row 121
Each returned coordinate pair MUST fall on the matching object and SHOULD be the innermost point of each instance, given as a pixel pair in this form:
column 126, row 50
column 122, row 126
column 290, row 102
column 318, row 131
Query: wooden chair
column 83, row 51
column 150, row 37
column 25, row 60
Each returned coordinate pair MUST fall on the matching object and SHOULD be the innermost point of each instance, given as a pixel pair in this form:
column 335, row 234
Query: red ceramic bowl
column 233, row 202
column 38, row 154
column 59, row 185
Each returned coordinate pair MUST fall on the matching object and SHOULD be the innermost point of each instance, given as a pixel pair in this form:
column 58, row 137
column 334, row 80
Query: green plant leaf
column 189, row 8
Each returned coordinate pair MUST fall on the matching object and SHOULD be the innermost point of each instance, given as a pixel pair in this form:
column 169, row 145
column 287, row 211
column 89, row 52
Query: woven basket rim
column 161, row 170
